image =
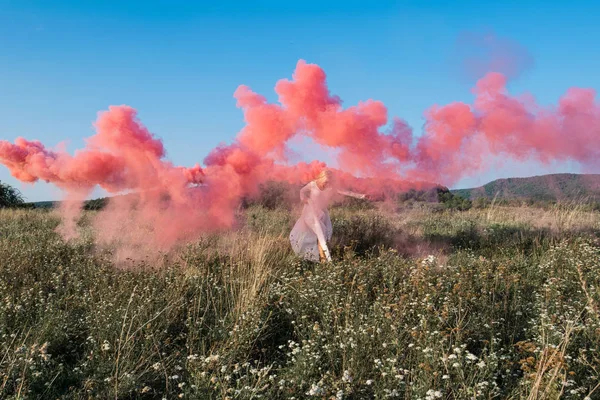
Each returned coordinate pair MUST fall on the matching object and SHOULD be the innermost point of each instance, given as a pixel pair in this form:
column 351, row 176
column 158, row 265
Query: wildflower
column 315, row 390
column 211, row 358
column 445, row 377
column 105, row 346
column 471, row 357
column 156, row 366
column 181, row 384
column 146, row 389
column 347, row 377
column 43, row 348
column 481, row 364
column 433, row 394
column 369, row 382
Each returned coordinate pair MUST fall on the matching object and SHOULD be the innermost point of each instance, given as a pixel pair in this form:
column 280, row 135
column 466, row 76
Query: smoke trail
column 166, row 209
column 482, row 52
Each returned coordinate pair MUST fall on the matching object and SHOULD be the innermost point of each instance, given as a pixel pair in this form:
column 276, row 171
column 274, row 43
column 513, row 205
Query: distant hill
column 554, row 187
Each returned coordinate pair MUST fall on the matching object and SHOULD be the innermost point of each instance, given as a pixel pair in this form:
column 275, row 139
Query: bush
column 96, row 204
column 429, row 195
column 454, row 202
column 9, row 196
column 481, row 202
column 273, row 195
column 361, row 232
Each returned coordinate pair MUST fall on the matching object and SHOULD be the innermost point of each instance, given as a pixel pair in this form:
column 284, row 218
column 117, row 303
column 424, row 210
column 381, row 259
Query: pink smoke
column 482, row 52
column 374, row 153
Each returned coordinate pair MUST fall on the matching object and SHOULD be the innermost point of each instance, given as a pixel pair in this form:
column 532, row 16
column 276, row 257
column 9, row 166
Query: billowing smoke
column 171, row 204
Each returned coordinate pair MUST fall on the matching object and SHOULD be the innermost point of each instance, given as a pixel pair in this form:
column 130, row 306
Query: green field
column 500, row 302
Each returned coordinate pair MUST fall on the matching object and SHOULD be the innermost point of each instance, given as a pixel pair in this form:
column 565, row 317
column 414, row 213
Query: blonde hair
column 326, row 173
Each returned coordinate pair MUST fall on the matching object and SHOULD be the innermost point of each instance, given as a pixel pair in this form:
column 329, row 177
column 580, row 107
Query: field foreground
column 494, row 303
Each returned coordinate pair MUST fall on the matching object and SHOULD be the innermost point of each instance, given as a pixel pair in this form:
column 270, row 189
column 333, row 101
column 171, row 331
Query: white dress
column 314, row 224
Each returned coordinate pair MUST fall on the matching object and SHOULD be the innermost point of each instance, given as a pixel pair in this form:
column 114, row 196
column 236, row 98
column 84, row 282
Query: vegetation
column 9, row 196
column 546, row 188
column 495, row 302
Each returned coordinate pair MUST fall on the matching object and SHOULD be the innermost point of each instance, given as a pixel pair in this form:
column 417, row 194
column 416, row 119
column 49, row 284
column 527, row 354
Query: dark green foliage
column 10, row 197
column 96, row 204
column 481, row 202
column 454, row 202
column 431, row 195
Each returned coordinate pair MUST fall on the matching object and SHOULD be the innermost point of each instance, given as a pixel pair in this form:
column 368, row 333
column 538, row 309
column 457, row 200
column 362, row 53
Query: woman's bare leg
column 321, row 253
column 318, row 230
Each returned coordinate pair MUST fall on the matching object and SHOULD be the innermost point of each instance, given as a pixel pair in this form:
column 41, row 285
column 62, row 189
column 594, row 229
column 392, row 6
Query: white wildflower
column 347, row 377
column 315, row 390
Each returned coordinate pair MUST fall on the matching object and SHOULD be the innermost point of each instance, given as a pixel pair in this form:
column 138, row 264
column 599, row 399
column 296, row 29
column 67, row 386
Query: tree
column 9, row 196
column 454, row 202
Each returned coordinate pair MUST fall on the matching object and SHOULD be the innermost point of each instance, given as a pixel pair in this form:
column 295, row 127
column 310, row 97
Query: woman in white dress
column 313, row 229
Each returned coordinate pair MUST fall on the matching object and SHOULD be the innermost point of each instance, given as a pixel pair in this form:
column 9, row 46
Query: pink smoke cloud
column 375, row 153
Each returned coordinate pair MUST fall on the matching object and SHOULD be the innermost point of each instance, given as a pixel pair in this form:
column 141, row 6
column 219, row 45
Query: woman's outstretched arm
column 352, row 194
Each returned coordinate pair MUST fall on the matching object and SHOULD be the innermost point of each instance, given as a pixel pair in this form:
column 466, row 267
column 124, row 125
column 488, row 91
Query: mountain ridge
column 550, row 187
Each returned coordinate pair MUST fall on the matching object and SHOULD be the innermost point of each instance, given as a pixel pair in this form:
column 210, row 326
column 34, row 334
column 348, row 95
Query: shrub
column 273, row 195
column 361, row 232
column 455, row 202
column 9, row 196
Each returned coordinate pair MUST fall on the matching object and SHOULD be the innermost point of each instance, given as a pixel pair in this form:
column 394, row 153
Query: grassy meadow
column 499, row 302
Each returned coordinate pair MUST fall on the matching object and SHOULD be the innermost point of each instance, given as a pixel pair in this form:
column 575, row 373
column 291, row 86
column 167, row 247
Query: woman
column 313, row 229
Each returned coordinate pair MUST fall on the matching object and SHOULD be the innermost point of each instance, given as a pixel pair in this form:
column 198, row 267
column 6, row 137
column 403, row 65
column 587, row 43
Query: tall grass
column 476, row 304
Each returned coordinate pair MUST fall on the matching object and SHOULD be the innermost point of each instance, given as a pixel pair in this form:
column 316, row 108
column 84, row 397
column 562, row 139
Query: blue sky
column 179, row 62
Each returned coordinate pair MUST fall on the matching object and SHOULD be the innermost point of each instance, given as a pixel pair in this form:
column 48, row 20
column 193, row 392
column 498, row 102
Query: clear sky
column 179, row 62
